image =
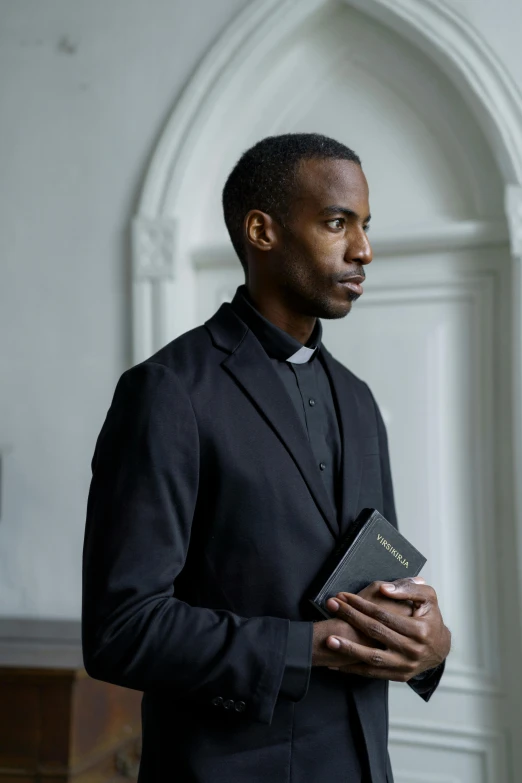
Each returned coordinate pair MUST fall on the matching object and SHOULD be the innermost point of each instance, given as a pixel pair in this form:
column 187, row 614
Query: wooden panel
column 8, row 778
column 103, row 717
column 19, row 724
column 57, row 725
column 55, row 721
column 118, row 766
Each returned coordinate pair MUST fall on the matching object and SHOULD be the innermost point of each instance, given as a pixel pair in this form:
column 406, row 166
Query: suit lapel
column 253, row 371
column 348, row 415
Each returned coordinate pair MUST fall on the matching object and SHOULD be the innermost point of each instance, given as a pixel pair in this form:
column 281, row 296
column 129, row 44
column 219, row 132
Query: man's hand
column 335, row 627
column 371, row 593
column 402, row 646
column 374, row 594
column 322, row 655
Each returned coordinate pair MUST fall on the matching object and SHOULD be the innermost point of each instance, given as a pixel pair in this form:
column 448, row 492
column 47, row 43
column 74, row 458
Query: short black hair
column 264, row 175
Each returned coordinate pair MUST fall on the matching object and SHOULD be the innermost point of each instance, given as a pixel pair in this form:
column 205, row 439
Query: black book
column 372, row 550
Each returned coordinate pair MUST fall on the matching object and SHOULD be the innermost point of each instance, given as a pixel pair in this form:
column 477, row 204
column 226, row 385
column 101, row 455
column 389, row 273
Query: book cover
column 373, row 550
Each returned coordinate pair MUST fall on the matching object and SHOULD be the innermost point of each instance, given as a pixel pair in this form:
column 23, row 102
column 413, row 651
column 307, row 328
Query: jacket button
column 218, row 701
column 240, row 706
column 322, row 465
column 228, row 704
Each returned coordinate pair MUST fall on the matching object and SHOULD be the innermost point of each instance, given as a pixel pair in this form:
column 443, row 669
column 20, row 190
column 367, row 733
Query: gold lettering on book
column 392, row 551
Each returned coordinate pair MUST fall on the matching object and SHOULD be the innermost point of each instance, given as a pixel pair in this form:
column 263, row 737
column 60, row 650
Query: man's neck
column 298, row 326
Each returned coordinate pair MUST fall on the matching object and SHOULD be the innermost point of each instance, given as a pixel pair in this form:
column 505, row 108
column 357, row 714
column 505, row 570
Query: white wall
column 500, row 24
column 84, row 91
column 85, row 88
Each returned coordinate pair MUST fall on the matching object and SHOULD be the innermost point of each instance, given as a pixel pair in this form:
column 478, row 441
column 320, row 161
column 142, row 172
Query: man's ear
column 260, row 230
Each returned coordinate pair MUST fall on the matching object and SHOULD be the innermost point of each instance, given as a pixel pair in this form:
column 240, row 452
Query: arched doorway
column 436, row 334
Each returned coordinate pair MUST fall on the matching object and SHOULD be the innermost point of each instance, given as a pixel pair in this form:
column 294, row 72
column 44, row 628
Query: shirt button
column 228, row 704
column 311, row 402
column 240, row 706
column 218, row 701
column 322, row 465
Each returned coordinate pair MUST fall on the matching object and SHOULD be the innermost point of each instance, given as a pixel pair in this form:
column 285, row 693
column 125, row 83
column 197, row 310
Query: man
column 228, row 466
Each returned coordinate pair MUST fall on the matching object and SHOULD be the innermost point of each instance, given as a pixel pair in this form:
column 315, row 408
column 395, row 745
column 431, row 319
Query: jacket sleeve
column 135, row 632
column 298, row 661
column 426, row 683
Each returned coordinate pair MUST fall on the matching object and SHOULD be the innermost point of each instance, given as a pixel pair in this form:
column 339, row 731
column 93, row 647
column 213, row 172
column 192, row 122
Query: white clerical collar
column 302, row 356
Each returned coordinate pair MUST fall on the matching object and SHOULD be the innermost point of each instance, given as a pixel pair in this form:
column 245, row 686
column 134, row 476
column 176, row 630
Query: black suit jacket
column 207, row 521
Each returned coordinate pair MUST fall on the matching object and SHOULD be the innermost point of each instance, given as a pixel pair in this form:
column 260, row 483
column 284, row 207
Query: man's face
column 324, row 246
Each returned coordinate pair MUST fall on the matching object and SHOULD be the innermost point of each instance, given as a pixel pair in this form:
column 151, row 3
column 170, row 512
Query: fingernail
column 418, row 579
column 334, row 668
column 333, row 642
column 332, row 604
column 388, row 586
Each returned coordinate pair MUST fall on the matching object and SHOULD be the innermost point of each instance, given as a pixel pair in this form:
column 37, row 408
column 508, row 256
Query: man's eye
column 336, row 223
column 367, row 228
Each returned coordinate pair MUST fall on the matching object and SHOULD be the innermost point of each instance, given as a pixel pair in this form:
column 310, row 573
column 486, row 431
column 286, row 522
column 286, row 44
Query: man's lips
column 354, row 283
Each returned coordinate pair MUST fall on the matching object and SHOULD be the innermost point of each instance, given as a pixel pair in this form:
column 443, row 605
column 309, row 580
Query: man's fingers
column 419, row 592
column 372, row 658
column 411, row 589
column 406, row 626
column 375, row 627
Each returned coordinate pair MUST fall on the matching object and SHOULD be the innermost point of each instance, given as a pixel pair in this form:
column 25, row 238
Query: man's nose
column 359, row 249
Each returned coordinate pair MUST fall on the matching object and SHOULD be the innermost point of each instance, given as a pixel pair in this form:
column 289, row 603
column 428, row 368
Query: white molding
column 489, row 746
column 401, row 776
column 251, row 33
column 514, row 215
column 478, row 682
column 445, row 36
column 479, row 290
column 458, row 235
column 456, row 47
column 153, row 248
column 434, row 27
column 394, row 292
column 459, row 49
column 422, row 240
column 447, row 735
column 153, row 265
column 466, row 680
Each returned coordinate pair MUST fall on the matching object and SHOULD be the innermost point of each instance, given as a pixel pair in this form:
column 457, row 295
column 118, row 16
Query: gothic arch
column 162, row 274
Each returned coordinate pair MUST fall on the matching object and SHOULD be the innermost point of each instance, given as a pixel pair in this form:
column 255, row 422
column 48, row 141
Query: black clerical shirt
column 305, row 379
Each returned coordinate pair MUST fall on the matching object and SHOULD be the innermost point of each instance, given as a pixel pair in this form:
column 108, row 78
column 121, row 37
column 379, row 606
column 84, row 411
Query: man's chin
column 339, row 309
